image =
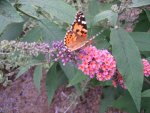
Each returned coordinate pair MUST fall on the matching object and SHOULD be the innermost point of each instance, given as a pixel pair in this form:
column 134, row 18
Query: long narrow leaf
column 37, row 76
column 54, row 78
column 128, row 63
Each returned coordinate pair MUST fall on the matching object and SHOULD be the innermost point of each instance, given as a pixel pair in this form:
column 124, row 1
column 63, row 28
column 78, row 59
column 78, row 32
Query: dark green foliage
column 54, row 78
column 107, row 98
column 145, row 104
column 74, row 75
column 125, row 102
column 143, row 23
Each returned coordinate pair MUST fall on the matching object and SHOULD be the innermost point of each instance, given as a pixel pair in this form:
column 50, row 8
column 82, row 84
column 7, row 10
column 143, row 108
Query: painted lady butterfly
column 76, row 37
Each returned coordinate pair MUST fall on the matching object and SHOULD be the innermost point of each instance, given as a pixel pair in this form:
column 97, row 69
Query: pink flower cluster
column 97, row 62
column 146, row 65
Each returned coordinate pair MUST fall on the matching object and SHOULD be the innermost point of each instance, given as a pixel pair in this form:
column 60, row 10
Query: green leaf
column 95, row 82
column 37, row 76
column 51, row 31
column 107, row 100
column 54, row 78
column 146, row 93
column 101, row 41
column 22, row 70
column 134, row 1
column 143, row 24
column 8, row 15
column 145, row 105
column 12, row 31
column 74, row 75
column 48, row 31
column 148, row 14
column 125, row 103
column 51, row 82
column 108, row 14
column 105, row 6
column 26, row 67
column 55, row 8
column 145, row 53
column 128, row 62
column 33, row 35
column 142, row 40
column 139, row 3
column 78, row 78
column 93, row 9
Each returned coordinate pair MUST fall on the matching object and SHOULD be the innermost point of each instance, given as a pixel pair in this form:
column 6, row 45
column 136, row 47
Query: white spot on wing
column 83, row 22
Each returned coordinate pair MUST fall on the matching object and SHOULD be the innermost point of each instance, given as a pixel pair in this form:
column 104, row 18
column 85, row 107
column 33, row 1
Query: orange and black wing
column 76, row 37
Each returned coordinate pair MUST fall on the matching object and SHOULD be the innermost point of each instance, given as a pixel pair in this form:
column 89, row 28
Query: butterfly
column 76, row 36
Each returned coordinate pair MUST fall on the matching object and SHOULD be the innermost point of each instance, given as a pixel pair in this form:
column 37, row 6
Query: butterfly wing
column 76, row 37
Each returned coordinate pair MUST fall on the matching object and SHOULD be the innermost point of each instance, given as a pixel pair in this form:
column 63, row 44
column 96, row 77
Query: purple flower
column 33, row 49
column 60, row 52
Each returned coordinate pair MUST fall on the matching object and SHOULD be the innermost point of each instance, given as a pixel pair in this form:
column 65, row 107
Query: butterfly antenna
column 99, row 33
